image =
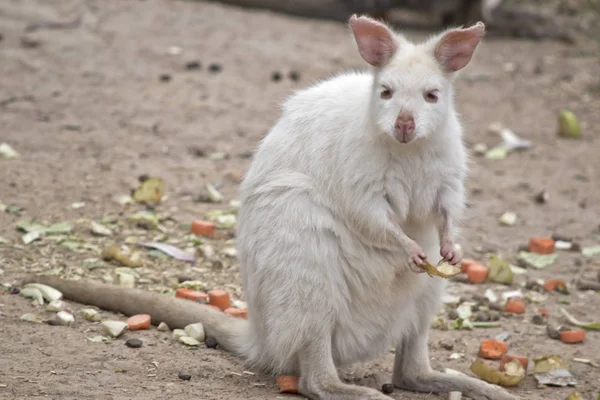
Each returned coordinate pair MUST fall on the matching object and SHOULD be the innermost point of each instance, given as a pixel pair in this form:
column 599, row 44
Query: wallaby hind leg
column 412, row 371
column 319, row 379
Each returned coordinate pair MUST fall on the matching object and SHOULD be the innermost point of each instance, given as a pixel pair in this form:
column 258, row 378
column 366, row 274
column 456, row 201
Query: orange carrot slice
column 556, row 284
column 138, row 322
column 515, row 305
column 541, row 245
column 573, row 336
column 492, row 349
column 288, row 384
column 190, row 294
column 477, row 273
column 203, row 228
column 219, row 298
column 509, row 357
column 466, row 263
column 236, row 312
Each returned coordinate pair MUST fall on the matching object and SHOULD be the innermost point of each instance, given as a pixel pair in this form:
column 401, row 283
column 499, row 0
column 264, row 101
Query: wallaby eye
column 386, row 93
column 431, row 96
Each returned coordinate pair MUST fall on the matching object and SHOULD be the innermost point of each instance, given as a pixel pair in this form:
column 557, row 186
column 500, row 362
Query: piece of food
column 443, row 269
column 477, row 273
column 541, row 245
column 492, row 349
column 236, row 312
column 509, row 357
column 572, row 336
column 203, row 228
column 513, row 373
column 515, row 305
column 288, row 384
column 138, row 322
column 556, row 284
column 192, row 295
column 219, row 298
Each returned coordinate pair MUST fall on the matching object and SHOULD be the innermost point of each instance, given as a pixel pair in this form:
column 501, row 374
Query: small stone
column 452, row 314
column 295, row 76
column 538, row 319
column 276, row 76
column 553, row 332
column 193, row 65
column 164, row 77
column 53, row 322
column 494, row 316
column 542, row 197
column 215, row 68
column 211, row 343
column 134, row 343
column 184, row 377
column 482, row 316
column 387, row 388
column 446, row 345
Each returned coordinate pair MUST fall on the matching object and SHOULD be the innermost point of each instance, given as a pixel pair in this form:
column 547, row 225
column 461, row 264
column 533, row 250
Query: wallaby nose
column 405, row 127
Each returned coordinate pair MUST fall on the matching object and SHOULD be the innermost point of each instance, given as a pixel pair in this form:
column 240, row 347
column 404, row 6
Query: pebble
column 276, row 76
column 452, row 314
column 494, row 316
column 184, row 377
column 295, row 76
column 538, row 319
column 446, row 345
column 134, row 343
column 211, row 343
column 387, row 388
column 215, row 68
column 164, row 77
column 482, row 316
column 193, row 65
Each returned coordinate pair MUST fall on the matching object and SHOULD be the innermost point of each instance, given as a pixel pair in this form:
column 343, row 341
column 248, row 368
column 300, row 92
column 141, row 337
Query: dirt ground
column 89, row 110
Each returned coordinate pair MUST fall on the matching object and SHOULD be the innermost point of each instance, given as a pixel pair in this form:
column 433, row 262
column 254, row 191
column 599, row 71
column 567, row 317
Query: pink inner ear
column 455, row 48
column 375, row 42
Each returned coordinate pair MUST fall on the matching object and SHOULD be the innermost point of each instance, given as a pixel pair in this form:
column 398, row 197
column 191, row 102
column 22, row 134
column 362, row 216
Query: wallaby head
column 412, row 90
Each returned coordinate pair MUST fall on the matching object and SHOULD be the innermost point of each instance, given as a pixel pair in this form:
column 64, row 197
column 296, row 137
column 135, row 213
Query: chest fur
column 413, row 188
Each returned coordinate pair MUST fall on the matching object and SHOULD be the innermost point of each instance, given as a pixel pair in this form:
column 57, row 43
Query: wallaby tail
column 176, row 313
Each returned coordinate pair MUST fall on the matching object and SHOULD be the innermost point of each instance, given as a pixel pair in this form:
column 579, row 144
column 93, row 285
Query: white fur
column 326, row 280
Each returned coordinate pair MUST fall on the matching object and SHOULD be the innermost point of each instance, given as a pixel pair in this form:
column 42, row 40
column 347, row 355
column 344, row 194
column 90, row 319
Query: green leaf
column 500, row 271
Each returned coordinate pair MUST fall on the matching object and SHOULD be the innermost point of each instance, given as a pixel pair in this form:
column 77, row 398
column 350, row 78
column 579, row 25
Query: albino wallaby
column 359, row 181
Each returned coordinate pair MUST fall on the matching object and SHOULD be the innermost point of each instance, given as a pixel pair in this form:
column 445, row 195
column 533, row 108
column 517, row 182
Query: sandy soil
column 88, row 111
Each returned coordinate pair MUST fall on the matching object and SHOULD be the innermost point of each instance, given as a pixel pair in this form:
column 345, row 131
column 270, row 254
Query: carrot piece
column 515, row 305
column 477, row 273
column 492, row 349
column 466, row 263
column 543, row 311
column 138, row 322
column 190, row 294
column 573, row 336
column 219, row 298
column 288, row 384
column 556, row 284
column 236, row 312
column 203, row 228
column 541, row 245
column 509, row 357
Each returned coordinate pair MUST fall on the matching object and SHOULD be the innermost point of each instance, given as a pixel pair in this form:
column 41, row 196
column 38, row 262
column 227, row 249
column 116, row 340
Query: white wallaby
column 359, row 181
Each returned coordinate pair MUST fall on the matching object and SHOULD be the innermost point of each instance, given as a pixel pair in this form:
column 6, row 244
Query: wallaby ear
column 456, row 47
column 375, row 41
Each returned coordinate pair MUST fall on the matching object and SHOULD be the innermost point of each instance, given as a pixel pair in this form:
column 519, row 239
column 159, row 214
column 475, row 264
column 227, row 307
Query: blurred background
column 98, row 96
